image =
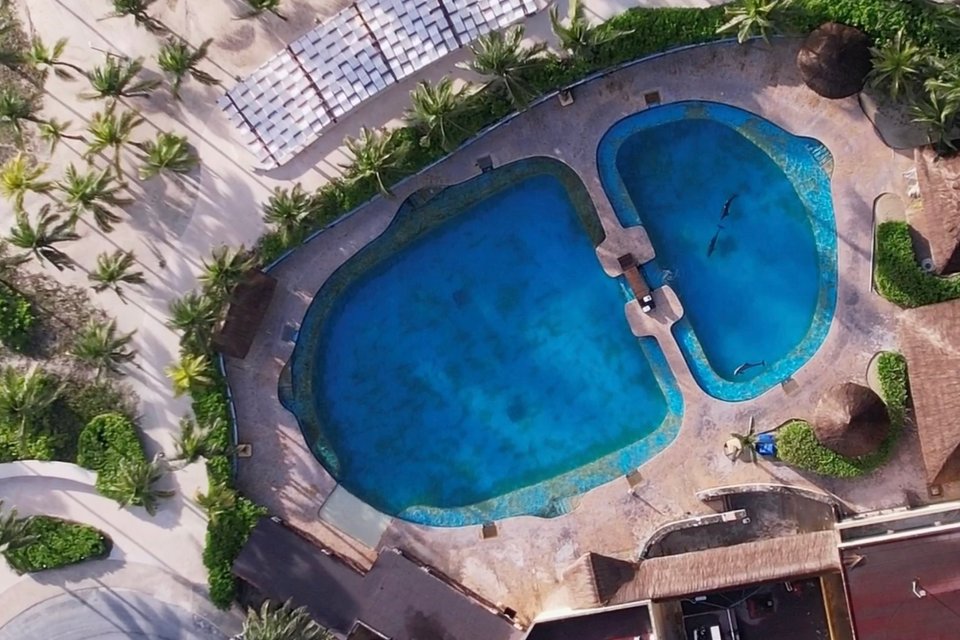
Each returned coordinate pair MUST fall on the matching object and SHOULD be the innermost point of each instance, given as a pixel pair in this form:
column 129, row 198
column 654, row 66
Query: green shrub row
column 16, row 319
column 58, row 543
column 104, row 443
column 899, row 277
column 797, row 445
column 229, row 530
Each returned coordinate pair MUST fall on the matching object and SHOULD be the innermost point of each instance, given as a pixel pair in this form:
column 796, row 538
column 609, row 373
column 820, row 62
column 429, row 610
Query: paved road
column 108, row 614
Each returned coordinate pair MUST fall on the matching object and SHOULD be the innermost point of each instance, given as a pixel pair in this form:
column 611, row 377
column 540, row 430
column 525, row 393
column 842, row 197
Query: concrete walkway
column 109, row 600
column 171, row 541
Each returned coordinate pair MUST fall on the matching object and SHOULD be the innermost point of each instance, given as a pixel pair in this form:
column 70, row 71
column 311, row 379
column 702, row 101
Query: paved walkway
column 171, row 541
column 520, row 565
column 109, row 600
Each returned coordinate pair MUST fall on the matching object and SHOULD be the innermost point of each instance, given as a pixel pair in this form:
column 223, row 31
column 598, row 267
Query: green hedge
column 104, row 443
column 59, row 543
column 898, row 276
column 797, row 445
column 16, row 319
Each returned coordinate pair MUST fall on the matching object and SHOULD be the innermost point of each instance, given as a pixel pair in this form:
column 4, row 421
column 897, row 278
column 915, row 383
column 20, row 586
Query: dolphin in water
column 713, row 241
column 748, row 365
column 726, row 206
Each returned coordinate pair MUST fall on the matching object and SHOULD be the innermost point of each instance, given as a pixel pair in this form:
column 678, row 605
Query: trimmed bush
column 797, row 445
column 104, row 443
column 16, row 319
column 59, row 543
column 226, row 535
column 898, row 276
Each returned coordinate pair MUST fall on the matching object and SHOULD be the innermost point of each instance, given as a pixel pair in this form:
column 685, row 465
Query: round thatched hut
column 851, row 419
column 835, row 60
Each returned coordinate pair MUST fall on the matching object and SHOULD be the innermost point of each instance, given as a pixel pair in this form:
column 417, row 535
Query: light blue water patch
column 474, row 362
column 740, row 216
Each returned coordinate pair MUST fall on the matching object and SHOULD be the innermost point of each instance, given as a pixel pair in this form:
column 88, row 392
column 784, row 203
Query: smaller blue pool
column 740, row 216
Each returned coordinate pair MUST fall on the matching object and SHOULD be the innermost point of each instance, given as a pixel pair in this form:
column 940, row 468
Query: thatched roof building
column 930, row 337
column 248, row 305
column 834, row 60
column 851, row 419
column 938, row 221
column 698, row 572
column 594, row 579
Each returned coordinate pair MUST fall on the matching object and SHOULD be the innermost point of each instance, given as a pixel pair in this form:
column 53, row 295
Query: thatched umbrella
column 834, row 60
column 851, row 419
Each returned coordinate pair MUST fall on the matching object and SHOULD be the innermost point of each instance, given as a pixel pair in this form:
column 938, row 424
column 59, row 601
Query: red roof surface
column 882, row 602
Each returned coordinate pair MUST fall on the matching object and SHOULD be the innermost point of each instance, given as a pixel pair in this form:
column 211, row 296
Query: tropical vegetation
column 179, row 60
column 167, row 152
column 899, row 277
column 54, row 543
column 273, row 622
column 114, row 271
column 110, row 445
column 17, row 319
column 40, row 239
column 502, row 57
column 102, row 348
column 117, row 78
column 797, row 445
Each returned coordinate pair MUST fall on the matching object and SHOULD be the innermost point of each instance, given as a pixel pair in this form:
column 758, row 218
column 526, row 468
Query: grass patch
column 798, row 446
column 104, row 443
column 59, row 543
column 898, row 276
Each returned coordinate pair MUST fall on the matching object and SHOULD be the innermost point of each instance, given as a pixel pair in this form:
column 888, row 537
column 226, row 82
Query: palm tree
column 52, row 131
column 109, row 131
column 113, row 270
column 225, row 269
column 260, row 6
column 117, row 78
column 134, row 483
column 501, row 57
column 178, row 59
column 742, row 442
column 897, row 65
column 218, row 500
column 168, row 152
column 194, row 440
column 189, row 373
column 750, row 18
column 98, row 345
column 20, row 175
column 14, row 531
column 373, row 157
column 288, row 209
column 25, row 399
column 282, row 623
column 193, row 316
column 434, row 108
column 43, row 58
column 578, row 38
column 41, row 240
column 92, row 192
column 138, row 10
column 15, row 110
column 938, row 113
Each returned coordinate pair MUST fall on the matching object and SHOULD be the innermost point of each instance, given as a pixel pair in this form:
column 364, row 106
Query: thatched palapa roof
column 698, row 572
column 834, row 60
column 930, row 337
column 248, row 305
column 594, row 579
column 851, row 419
column 938, row 221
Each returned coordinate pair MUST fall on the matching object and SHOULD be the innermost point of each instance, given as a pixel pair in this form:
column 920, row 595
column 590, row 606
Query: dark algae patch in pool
column 740, row 217
column 475, row 362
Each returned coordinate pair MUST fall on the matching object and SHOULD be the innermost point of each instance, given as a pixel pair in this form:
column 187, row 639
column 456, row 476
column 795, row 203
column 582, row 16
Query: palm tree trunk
column 70, row 65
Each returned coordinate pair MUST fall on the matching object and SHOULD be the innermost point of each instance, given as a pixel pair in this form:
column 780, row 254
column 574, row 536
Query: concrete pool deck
column 520, row 567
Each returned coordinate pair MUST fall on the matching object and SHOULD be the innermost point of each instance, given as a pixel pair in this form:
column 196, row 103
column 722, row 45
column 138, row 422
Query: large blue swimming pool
column 474, row 362
column 740, row 216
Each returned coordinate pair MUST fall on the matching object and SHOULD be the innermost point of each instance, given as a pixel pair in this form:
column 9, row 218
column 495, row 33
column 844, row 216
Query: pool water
column 757, row 285
column 475, row 363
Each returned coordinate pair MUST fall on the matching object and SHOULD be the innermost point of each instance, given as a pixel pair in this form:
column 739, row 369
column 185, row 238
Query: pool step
column 821, row 154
